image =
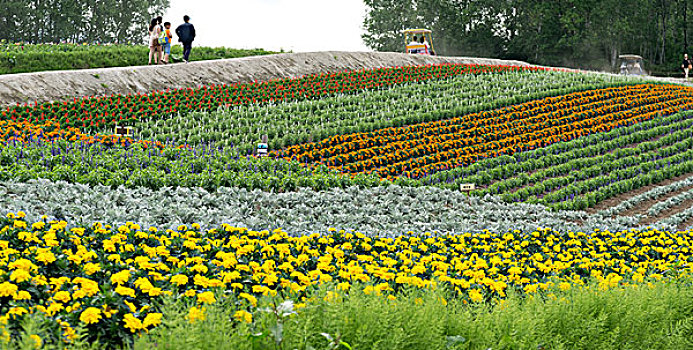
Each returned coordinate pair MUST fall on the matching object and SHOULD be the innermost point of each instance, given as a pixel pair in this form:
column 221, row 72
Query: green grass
column 660, row 317
column 38, row 58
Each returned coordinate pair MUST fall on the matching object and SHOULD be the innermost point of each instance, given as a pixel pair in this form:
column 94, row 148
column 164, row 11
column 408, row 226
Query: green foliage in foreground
column 658, row 318
column 637, row 317
column 37, row 58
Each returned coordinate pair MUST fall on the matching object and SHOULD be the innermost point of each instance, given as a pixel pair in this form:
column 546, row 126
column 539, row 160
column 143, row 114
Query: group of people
column 420, row 41
column 160, row 39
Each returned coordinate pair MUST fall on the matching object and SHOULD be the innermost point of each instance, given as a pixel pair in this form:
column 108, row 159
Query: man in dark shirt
column 686, row 65
column 186, row 35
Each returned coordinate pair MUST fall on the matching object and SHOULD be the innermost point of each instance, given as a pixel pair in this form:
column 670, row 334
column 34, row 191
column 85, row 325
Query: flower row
column 110, row 278
column 94, row 113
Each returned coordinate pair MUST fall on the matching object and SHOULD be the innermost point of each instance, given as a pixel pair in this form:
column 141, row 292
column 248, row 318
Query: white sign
column 467, row 187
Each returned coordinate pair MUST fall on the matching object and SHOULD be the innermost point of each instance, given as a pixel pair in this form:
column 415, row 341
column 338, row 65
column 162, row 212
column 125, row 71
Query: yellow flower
column 125, row 291
column 90, row 315
column 153, row 319
column 564, row 286
column 475, row 295
column 20, row 276
column 8, row 289
column 179, row 279
column 37, row 341
column 195, row 314
column 46, row 257
column 250, row 298
column 120, row 277
column 62, row 296
column 16, row 311
column 206, row 297
column 133, row 323
column 22, row 295
column 243, row 316
column 91, row 268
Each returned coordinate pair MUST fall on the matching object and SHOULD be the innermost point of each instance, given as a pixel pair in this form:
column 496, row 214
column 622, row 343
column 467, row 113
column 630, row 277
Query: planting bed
column 583, row 189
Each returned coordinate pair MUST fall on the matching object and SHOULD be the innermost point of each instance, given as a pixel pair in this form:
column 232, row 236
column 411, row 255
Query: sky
column 292, row 25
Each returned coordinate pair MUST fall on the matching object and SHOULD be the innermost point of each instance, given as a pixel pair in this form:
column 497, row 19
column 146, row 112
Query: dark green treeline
column 91, row 21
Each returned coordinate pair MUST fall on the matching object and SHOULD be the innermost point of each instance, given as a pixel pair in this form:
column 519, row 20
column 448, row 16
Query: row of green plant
column 654, row 316
column 37, row 58
column 138, row 166
column 298, row 122
column 580, row 173
column 549, row 178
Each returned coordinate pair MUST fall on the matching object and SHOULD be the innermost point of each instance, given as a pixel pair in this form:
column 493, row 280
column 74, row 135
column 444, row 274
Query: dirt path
column 62, row 85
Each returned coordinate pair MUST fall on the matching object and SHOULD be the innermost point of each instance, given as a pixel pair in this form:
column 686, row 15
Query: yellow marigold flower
column 130, row 305
column 190, row 293
column 91, row 268
column 564, row 286
column 475, row 295
column 153, row 319
column 206, row 297
column 531, row 288
column 195, row 314
column 38, row 342
column 125, row 291
column 250, row 298
column 179, row 279
column 132, row 323
column 20, row 276
column 22, row 295
column 16, row 311
column 8, row 289
column 46, row 257
column 90, row 315
column 62, row 296
column 243, row 316
column 120, row 277
column 38, row 225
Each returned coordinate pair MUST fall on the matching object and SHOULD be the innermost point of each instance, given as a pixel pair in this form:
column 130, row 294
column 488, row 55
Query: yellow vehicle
column 418, row 41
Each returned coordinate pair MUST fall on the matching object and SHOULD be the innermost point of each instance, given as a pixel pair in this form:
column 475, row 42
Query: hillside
column 62, row 85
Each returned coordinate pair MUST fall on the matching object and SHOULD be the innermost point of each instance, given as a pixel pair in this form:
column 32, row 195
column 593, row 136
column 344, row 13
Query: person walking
column 686, row 65
column 186, row 35
column 154, row 47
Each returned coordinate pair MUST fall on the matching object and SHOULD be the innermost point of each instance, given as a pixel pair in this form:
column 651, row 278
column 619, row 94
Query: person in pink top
column 154, row 47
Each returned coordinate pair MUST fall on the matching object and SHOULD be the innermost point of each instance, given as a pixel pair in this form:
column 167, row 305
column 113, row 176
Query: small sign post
column 123, row 130
column 262, row 147
column 467, row 187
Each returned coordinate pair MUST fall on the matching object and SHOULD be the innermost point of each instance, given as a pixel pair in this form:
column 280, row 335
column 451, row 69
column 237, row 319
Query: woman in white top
column 154, row 47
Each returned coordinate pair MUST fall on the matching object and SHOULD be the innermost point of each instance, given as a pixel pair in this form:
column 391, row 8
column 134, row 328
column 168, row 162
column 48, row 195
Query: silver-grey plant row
column 654, row 193
column 390, row 210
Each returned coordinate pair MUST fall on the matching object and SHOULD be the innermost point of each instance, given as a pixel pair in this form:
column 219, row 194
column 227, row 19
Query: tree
column 574, row 33
column 100, row 21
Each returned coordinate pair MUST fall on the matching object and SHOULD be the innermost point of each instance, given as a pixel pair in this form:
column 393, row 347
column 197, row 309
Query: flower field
column 103, row 277
column 583, row 199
